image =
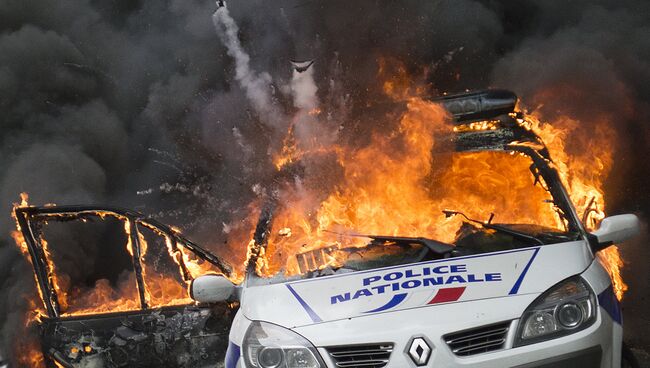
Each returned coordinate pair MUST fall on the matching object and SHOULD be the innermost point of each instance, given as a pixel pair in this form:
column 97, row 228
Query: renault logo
column 419, row 351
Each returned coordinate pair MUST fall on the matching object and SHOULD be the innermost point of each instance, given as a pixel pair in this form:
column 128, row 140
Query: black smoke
column 134, row 103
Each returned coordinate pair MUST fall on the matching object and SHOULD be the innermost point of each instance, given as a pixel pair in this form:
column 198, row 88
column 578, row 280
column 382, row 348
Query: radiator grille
column 362, row 356
column 478, row 340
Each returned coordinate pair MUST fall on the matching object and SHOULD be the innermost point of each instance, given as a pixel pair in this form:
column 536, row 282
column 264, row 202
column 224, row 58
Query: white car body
column 478, row 290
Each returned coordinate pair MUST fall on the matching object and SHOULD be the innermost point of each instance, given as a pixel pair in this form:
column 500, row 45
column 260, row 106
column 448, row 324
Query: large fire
column 397, row 186
column 394, row 185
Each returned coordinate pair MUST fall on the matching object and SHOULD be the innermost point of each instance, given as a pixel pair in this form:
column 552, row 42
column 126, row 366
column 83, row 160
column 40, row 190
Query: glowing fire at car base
column 460, row 209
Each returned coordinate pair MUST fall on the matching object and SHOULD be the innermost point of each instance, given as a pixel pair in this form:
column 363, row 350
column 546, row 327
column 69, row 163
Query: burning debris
column 187, row 337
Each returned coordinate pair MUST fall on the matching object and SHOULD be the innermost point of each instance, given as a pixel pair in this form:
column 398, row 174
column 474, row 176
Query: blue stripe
column 515, row 287
column 607, row 299
column 232, row 355
column 397, row 298
column 304, row 304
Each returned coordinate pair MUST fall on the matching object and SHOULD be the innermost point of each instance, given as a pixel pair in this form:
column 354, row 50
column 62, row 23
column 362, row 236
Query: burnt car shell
column 191, row 335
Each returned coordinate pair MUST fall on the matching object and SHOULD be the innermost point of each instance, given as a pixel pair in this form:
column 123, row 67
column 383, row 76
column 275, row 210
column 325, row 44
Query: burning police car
column 518, row 289
column 514, row 293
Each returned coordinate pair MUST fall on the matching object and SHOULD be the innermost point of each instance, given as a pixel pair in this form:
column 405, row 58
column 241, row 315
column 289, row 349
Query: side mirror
column 211, row 289
column 616, row 229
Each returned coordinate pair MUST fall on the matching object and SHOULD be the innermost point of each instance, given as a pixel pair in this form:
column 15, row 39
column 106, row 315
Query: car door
column 114, row 287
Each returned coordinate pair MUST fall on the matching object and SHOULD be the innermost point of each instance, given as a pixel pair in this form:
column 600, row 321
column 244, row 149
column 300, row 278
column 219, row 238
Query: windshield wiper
column 489, row 225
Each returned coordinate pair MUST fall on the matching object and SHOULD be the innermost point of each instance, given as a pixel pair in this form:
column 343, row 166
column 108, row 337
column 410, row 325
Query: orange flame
column 394, row 186
column 27, row 349
column 583, row 173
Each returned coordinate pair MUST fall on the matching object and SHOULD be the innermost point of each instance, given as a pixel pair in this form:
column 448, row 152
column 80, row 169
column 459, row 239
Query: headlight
column 567, row 307
column 269, row 346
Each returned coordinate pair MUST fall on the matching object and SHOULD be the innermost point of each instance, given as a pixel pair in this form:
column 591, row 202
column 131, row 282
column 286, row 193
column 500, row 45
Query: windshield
column 467, row 203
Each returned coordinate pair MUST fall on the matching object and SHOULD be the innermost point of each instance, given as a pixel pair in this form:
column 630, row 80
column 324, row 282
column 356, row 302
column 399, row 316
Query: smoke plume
column 255, row 84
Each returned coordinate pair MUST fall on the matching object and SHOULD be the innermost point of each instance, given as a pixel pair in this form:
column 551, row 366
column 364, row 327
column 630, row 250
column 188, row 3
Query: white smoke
column 256, row 85
column 309, row 128
column 303, row 88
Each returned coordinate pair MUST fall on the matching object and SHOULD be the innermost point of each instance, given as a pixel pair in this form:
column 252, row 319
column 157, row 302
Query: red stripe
column 447, row 295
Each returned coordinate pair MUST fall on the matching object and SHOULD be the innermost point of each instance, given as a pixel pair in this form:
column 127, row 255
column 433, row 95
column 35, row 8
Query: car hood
column 418, row 285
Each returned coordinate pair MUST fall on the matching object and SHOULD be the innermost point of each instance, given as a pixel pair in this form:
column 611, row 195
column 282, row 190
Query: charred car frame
column 179, row 335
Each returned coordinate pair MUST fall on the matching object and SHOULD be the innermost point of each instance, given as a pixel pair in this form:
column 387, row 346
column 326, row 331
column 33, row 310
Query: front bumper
column 592, row 347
